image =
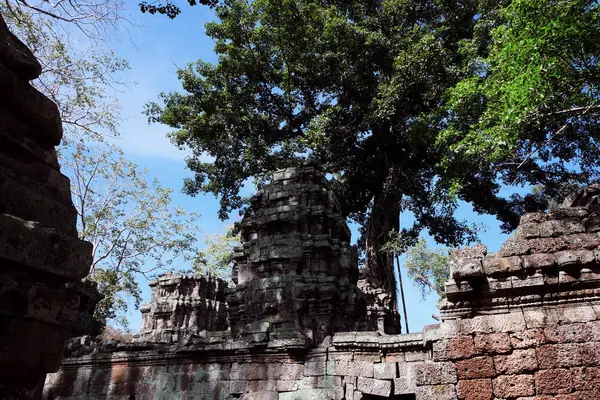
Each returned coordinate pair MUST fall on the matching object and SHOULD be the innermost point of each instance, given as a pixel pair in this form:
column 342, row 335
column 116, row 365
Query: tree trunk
column 379, row 266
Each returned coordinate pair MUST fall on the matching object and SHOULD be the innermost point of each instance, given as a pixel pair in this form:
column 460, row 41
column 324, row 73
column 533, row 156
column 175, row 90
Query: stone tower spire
column 296, row 272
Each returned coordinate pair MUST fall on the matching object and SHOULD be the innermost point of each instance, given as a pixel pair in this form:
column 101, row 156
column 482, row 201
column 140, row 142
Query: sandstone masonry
column 41, row 258
column 521, row 324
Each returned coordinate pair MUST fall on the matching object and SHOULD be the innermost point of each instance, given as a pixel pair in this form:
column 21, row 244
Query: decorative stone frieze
column 551, row 259
column 183, row 305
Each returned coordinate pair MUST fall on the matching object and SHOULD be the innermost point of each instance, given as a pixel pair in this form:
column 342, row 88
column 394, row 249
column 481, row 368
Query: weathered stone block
column 315, row 368
column 497, row 265
column 475, row 368
column 316, row 394
column 540, row 317
column 466, row 263
column 30, row 244
column 460, row 347
column 553, row 381
column 590, row 354
column 264, row 396
column 586, row 378
column 289, row 371
column 476, row 389
column 518, row 362
column 436, row 373
column 574, row 257
column 570, row 333
column 513, row 386
column 375, row 387
column 574, row 314
column 527, row 339
column 385, row 371
column 559, row 355
column 511, row 322
column 495, row 343
column 539, row 261
column 438, row 392
column 354, row 368
column 406, row 383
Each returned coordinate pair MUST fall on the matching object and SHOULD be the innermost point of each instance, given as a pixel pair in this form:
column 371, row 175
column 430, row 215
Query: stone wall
column 355, row 365
column 40, row 254
column 521, row 324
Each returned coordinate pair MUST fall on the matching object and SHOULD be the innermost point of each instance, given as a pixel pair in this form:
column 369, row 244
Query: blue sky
column 154, row 49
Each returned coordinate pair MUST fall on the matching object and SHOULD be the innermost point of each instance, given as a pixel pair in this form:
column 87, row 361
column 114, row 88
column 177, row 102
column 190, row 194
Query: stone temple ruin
column 521, row 324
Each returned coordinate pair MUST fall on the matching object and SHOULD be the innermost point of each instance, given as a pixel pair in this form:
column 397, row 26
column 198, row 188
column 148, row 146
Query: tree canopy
column 529, row 104
column 360, row 85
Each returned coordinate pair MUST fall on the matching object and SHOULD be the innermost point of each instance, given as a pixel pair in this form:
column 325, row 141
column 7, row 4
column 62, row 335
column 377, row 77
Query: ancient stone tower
column 296, row 272
column 181, row 305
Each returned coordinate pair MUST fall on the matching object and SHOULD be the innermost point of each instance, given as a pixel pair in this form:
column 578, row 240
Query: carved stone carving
column 552, row 258
column 296, row 272
column 181, row 305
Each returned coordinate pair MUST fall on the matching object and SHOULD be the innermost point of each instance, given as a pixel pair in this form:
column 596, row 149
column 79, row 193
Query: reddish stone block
column 553, row 381
column 527, row 339
column 460, row 347
column 475, row 368
column 594, row 327
column 590, row 353
column 476, row 389
column 516, row 363
column 586, row 378
column 495, row 343
column 511, row 386
column 559, row 355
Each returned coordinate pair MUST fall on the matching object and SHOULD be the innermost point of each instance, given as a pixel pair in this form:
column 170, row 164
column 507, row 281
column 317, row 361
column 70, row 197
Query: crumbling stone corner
column 40, row 253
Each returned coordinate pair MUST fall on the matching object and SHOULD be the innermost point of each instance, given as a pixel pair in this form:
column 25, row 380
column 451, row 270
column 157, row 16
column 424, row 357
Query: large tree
column 131, row 222
column 529, row 106
column 357, row 83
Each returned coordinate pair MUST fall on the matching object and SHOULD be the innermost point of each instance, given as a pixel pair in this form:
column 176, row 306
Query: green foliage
column 169, row 9
column 217, row 256
column 428, row 267
column 130, row 222
column 76, row 78
column 356, row 83
column 529, row 106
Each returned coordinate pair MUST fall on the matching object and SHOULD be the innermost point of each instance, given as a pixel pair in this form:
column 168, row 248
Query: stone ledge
column 30, row 244
column 375, row 340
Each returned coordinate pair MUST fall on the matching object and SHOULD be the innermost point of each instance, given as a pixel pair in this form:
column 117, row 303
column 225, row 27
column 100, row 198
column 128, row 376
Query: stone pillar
column 40, row 253
column 296, row 272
